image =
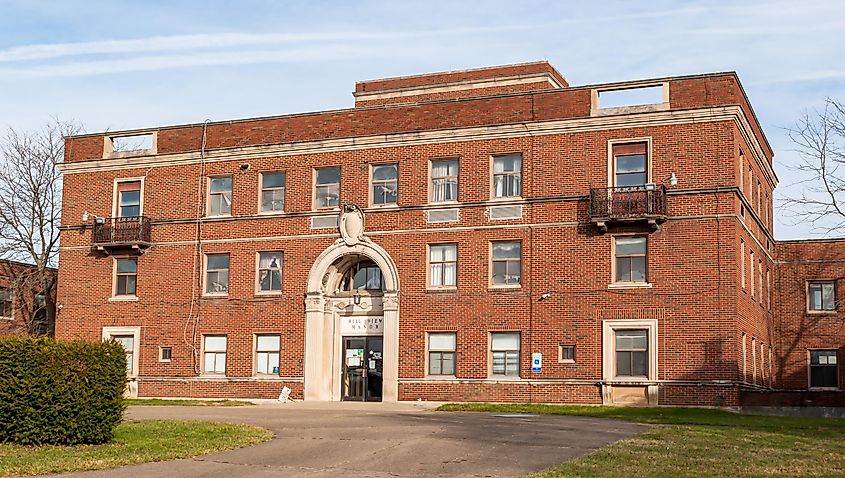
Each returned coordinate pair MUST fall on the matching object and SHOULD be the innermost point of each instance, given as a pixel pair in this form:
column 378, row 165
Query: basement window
column 130, row 145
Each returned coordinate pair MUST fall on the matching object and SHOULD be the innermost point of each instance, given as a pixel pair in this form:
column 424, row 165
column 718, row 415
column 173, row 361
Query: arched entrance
column 349, row 315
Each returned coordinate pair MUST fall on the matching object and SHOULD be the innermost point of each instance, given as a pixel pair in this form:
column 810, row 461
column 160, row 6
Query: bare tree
column 30, row 208
column 819, row 139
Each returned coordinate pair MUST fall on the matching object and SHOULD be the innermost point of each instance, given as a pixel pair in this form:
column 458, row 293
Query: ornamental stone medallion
column 351, row 224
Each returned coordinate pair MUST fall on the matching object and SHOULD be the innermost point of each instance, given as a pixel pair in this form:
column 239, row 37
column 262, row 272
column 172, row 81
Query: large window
column 267, row 353
column 327, row 188
column 824, row 369
column 214, row 354
column 217, row 274
column 364, row 275
column 220, row 196
column 128, row 198
column 631, row 353
column 273, row 191
column 507, row 176
column 821, row 296
column 269, row 272
column 385, row 184
column 504, row 348
column 630, row 164
column 6, row 299
column 128, row 343
column 630, row 257
column 126, row 276
column 443, row 265
column 444, row 180
column 506, row 263
column 441, row 353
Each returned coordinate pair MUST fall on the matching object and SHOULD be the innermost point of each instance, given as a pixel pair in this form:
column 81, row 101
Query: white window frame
column 807, row 295
column 256, row 351
column 205, row 275
column 261, row 190
column 115, row 209
column 809, row 368
column 161, row 354
column 609, row 328
column 431, row 180
column 135, row 332
column 428, row 276
column 12, row 305
column 372, row 199
column 208, row 195
column 560, row 348
column 339, row 183
column 493, row 174
column 611, row 161
column 490, row 262
column 429, row 350
column 114, row 294
column 258, row 270
column 614, row 284
column 490, row 351
column 225, row 353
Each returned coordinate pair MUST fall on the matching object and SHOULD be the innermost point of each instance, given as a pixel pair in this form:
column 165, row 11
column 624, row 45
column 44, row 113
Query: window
column 443, row 265
column 269, row 272
column 631, row 353
column 165, row 354
column 824, row 369
column 267, row 354
column 760, row 281
column 752, row 273
column 741, row 172
column 385, row 184
column 220, row 196
column 6, row 299
column 133, row 143
column 742, row 263
column 126, row 276
column 364, row 275
column 273, row 191
column 128, row 198
column 327, row 188
column 507, row 263
column 768, row 289
column 630, row 164
column 217, row 274
column 505, row 353
column 214, row 354
column 744, row 357
column 754, row 361
column 507, row 176
column 566, row 354
column 821, row 296
column 759, row 200
column 128, row 343
column 444, row 180
column 441, row 353
column 630, row 259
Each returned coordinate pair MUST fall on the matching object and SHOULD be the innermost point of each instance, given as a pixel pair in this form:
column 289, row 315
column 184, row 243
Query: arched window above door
column 362, row 275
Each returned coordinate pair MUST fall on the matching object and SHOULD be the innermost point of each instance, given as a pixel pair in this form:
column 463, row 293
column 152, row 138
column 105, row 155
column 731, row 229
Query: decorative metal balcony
column 112, row 233
column 628, row 204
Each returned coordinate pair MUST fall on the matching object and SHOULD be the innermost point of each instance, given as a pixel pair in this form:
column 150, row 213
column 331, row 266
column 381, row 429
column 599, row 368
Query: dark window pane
column 630, row 164
column 823, row 376
column 623, row 269
column 500, row 272
column 507, row 250
column 273, row 180
column 328, row 175
column 384, row 172
column 626, row 246
column 639, row 364
column 220, row 185
column 218, row 261
column 127, row 266
column 638, row 272
column 623, row 364
column 130, row 211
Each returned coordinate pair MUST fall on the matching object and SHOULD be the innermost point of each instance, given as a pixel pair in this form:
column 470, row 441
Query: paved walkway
column 381, row 440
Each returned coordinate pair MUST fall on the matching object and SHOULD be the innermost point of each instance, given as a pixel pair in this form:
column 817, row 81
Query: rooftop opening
column 630, row 99
column 129, row 145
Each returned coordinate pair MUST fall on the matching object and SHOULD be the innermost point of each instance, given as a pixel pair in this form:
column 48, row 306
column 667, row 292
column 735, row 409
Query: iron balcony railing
column 121, row 231
column 627, row 203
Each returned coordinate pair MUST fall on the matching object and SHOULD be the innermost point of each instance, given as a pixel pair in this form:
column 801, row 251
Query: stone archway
column 323, row 312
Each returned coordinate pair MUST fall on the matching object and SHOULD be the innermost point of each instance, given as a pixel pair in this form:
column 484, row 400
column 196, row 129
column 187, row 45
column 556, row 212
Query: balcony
column 113, row 233
column 646, row 204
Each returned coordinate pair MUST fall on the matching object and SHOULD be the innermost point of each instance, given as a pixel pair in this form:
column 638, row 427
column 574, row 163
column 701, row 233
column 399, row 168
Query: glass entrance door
column 362, row 368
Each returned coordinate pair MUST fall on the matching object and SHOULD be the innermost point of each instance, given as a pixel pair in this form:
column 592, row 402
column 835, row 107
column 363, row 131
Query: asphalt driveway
column 380, row 440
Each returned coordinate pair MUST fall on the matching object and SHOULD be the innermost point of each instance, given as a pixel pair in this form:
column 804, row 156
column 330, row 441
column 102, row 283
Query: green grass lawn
column 150, row 402
column 690, row 442
column 134, row 442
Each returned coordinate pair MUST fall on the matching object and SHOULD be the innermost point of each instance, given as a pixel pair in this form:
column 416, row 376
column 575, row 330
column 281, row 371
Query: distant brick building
column 24, row 308
column 490, row 234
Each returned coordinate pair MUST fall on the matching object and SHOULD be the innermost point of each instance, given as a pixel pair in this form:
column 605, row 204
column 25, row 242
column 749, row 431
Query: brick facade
column 22, row 311
column 694, row 304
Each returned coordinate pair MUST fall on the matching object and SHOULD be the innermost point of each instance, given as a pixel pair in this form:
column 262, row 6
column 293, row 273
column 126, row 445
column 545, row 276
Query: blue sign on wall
column 536, row 362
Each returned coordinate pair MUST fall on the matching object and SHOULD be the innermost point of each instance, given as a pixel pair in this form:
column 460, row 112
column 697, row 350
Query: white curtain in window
column 444, row 182
column 441, row 341
column 505, row 342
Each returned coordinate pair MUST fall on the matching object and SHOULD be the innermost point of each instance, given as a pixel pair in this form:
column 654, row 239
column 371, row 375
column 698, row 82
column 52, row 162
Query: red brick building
column 490, row 234
column 24, row 307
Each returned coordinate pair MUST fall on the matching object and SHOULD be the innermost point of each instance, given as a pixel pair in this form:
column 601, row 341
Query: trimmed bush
column 60, row 393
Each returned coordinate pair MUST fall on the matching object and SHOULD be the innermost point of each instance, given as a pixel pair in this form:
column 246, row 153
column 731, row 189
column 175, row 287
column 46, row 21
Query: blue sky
column 119, row 65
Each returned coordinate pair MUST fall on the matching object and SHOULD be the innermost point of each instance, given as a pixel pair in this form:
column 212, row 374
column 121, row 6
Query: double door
column 362, row 368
